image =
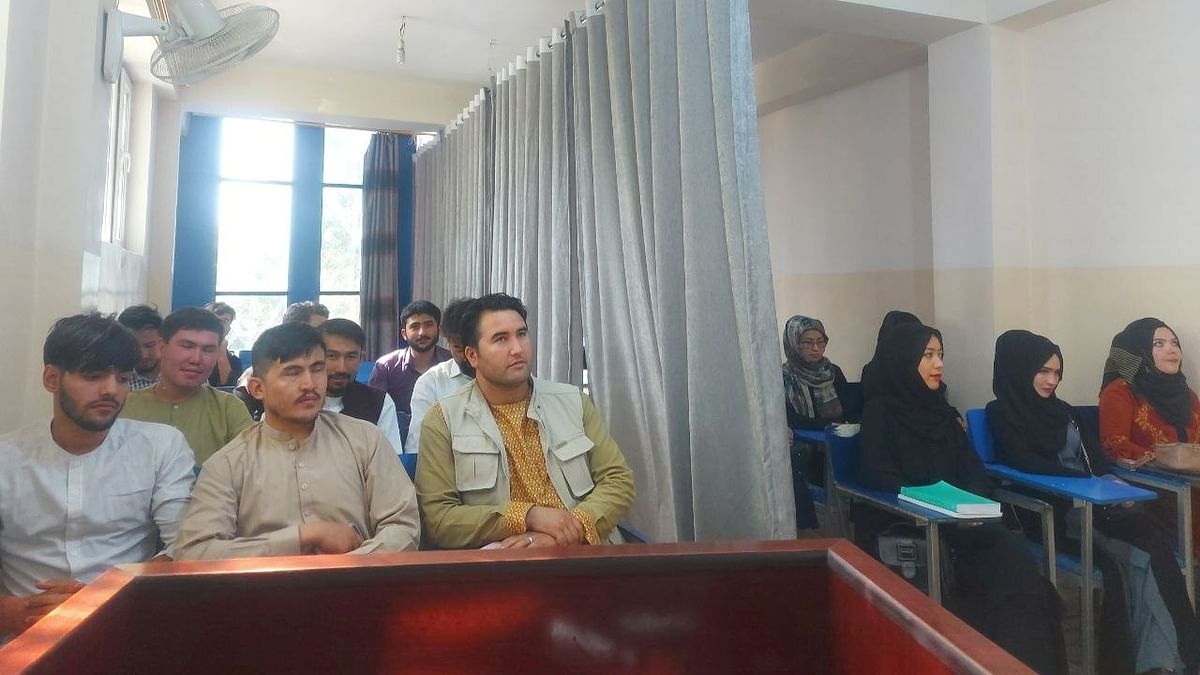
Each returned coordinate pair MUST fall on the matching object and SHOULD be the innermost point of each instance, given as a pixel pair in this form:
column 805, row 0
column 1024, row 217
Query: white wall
column 1061, row 166
column 52, row 168
column 846, row 178
column 266, row 89
column 1114, row 163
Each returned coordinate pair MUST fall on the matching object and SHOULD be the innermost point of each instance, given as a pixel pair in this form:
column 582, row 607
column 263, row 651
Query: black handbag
column 902, row 547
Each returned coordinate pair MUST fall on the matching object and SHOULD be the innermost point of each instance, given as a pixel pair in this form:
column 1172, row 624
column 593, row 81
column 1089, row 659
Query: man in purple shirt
column 398, row 371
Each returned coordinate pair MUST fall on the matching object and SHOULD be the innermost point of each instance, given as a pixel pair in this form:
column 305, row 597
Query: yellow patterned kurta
column 529, row 481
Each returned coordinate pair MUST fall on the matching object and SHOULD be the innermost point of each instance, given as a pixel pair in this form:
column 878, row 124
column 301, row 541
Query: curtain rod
column 332, row 125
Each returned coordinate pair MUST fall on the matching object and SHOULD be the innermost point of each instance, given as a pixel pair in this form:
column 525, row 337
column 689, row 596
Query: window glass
column 257, row 149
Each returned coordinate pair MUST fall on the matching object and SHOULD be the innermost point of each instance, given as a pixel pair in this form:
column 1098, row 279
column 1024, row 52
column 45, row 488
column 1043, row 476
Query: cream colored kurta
column 253, row 494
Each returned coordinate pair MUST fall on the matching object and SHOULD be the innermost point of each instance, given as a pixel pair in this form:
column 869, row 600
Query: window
column 341, row 220
column 254, row 224
column 264, row 248
column 116, row 181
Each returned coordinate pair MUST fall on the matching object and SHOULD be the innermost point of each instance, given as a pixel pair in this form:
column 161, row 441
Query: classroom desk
column 819, row 606
column 1181, row 484
column 1085, row 494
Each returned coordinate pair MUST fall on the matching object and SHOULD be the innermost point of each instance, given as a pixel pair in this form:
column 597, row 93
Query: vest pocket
column 476, row 463
column 573, row 462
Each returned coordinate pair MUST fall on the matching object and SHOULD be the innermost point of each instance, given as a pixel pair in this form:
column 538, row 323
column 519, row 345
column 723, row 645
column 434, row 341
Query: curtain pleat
column 612, row 183
column 384, row 169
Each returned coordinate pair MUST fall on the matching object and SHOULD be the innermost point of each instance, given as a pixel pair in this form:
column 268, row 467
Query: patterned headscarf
column 809, row 386
column 1131, row 358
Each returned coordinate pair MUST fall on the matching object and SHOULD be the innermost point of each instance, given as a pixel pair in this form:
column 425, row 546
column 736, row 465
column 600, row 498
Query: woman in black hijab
column 890, row 320
column 1037, row 432
column 912, row 436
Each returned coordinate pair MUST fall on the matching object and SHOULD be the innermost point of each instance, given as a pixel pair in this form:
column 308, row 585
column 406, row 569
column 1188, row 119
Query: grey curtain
column 452, row 210
column 383, row 171
column 627, row 213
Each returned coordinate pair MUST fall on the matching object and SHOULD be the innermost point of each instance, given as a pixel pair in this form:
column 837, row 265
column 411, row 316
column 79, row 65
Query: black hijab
column 923, row 411
column 1131, row 359
column 869, row 378
column 1040, row 422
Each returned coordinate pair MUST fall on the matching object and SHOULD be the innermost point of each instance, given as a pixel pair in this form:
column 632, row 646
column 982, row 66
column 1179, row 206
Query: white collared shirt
column 434, row 384
column 74, row 516
column 387, row 422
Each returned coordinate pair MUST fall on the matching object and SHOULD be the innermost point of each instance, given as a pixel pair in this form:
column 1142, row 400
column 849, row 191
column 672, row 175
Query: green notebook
column 945, row 498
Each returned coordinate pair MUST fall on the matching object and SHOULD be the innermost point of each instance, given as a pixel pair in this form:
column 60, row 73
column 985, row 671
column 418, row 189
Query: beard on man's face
column 338, row 384
column 95, row 421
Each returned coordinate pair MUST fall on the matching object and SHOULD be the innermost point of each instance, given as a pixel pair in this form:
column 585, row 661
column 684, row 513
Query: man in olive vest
column 512, row 459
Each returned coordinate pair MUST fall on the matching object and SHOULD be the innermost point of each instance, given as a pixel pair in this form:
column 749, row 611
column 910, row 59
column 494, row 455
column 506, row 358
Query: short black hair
column 221, row 308
column 452, row 320
column 191, row 318
column 140, row 317
column 90, row 343
column 301, row 311
column 420, row 307
column 283, row 343
column 344, row 328
column 493, row 302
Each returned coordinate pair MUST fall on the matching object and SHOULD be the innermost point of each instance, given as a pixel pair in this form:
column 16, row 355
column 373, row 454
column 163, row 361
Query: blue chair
column 364, row 371
column 843, row 459
column 409, row 460
column 633, row 535
column 1085, row 494
column 1180, row 484
column 823, row 495
column 245, row 356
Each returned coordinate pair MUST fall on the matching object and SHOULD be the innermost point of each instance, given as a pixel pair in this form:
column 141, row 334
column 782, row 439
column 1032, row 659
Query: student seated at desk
column 912, row 436
column 1036, row 432
column 303, row 481
column 816, row 395
column 84, row 491
column 1146, row 401
column 182, row 397
column 892, row 319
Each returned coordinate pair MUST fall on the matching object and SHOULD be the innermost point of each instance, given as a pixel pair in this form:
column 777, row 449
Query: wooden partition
column 785, row 607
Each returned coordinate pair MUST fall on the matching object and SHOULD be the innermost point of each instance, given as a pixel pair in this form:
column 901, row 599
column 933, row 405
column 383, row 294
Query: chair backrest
column 409, row 460
column 981, row 435
column 1089, row 418
column 245, row 357
column 854, row 397
column 843, row 457
column 364, row 371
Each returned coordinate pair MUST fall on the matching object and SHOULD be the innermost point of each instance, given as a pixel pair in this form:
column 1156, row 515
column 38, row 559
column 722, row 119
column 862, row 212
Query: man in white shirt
column 86, row 491
column 443, row 379
column 344, row 345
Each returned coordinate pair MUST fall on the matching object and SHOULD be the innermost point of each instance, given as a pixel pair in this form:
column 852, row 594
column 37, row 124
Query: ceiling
column 464, row 40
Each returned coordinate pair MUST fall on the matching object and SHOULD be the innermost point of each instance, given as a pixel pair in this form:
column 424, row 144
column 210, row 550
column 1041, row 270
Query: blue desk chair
column 834, row 519
column 843, row 459
column 1085, row 494
column 364, row 371
column 409, row 460
column 1181, row 484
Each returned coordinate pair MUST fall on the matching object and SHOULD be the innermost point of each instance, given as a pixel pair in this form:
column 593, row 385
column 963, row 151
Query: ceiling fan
column 195, row 40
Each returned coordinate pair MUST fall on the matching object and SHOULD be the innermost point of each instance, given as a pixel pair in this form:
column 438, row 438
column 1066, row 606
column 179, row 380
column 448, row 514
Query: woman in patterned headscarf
column 1146, row 401
column 815, row 396
column 815, row 387
column 1146, row 621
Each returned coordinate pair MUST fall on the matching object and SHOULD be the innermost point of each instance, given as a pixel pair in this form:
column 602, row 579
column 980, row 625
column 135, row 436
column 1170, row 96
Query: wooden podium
column 809, row 606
